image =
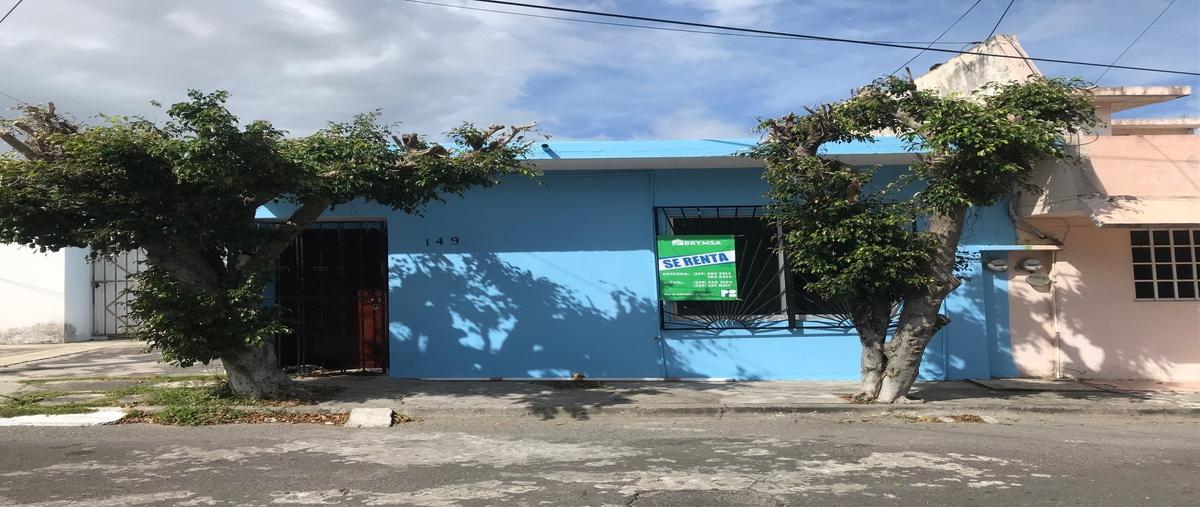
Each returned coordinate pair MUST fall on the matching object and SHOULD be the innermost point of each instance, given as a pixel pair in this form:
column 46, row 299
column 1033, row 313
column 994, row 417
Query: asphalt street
column 740, row 460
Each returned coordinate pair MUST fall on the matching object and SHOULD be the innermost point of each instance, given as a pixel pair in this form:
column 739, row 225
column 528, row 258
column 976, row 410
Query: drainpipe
column 1058, row 361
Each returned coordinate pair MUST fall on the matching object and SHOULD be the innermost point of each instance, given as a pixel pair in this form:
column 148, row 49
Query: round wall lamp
column 1030, row 264
column 997, row 265
column 1038, row 280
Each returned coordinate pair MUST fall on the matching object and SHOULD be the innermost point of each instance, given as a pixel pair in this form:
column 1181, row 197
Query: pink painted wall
column 1031, row 329
column 1158, row 165
column 1105, row 333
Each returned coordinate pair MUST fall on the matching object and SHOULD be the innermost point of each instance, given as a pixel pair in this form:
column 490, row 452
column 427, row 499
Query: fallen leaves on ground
column 251, row 417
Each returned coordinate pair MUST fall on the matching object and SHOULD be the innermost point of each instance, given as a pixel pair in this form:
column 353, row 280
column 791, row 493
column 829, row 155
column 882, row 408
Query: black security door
column 332, row 289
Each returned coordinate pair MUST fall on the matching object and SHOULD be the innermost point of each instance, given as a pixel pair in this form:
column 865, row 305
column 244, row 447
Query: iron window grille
column 1165, row 264
column 771, row 294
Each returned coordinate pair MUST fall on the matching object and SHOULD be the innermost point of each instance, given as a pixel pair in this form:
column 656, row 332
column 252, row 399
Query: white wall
column 44, row 297
column 31, row 296
column 77, row 285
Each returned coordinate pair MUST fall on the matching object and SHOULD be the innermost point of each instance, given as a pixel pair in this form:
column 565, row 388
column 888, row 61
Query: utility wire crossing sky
column 634, row 70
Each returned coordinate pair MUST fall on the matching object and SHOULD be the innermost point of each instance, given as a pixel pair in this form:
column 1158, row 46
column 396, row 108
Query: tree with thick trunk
column 187, row 191
column 881, row 244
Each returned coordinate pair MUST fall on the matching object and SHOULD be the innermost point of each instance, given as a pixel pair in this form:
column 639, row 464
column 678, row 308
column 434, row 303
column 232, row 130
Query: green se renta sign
column 697, row 268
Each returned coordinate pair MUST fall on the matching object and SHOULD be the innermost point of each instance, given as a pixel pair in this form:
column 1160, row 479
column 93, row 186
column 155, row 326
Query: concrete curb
column 548, row 412
column 554, row 412
column 98, row 417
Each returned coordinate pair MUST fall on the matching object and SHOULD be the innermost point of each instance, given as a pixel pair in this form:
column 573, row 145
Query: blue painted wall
column 556, row 275
column 548, row 278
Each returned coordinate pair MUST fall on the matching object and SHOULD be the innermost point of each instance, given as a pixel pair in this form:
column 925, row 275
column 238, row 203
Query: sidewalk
column 117, row 358
column 11, row 355
column 548, row 400
column 94, row 361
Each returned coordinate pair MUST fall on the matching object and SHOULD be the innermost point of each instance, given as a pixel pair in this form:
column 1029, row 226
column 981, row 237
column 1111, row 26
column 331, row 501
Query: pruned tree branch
column 18, row 145
column 509, row 137
column 267, row 253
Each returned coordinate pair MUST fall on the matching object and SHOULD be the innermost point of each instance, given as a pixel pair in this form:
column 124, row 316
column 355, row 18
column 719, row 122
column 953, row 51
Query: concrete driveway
column 114, row 358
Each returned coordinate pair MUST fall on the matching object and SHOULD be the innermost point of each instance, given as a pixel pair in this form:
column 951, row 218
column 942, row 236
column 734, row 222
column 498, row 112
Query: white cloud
column 696, row 122
column 300, row 64
column 343, row 64
column 192, row 23
column 309, row 15
column 738, row 13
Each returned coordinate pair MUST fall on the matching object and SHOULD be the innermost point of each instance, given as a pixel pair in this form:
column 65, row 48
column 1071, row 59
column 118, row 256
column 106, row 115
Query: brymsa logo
column 695, row 242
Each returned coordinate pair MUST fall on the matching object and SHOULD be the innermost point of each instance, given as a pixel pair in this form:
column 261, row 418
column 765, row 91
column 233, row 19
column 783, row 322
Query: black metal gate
column 332, row 289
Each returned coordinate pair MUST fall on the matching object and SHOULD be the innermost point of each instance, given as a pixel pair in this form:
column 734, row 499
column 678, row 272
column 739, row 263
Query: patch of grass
column 209, row 402
column 197, row 415
column 218, row 404
column 194, row 406
column 237, row 417
column 29, row 404
column 203, row 395
column 153, row 379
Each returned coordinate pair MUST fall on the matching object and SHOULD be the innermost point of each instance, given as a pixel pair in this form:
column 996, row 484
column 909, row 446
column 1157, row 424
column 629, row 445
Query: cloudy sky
column 300, row 63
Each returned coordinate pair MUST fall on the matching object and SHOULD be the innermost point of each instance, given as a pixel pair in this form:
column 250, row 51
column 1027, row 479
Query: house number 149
column 452, row 240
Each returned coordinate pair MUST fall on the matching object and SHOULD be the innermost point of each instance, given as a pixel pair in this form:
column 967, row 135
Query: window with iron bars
column 770, row 294
column 1166, row 264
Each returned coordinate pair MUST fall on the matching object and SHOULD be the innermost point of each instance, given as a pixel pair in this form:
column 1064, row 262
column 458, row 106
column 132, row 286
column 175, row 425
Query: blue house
column 553, row 276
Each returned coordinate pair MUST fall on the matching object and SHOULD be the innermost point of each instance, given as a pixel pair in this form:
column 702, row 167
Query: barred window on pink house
column 1166, row 263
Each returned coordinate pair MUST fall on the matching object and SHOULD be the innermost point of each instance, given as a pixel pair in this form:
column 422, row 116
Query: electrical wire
column 939, row 37
column 6, row 14
column 10, row 11
column 1002, row 14
column 19, row 101
column 1135, row 41
column 647, row 27
column 822, row 37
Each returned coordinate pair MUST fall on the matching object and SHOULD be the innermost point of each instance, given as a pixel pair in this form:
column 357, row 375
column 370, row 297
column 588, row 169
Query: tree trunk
column 919, row 317
column 871, row 320
column 255, row 373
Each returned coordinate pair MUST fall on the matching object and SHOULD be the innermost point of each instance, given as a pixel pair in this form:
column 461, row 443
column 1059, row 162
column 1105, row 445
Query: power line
column 825, row 38
column 14, row 7
column 629, row 25
column 939, row 37
column 6, row 14
column 1002, row 14
column 19, row 101
column 1135, row 41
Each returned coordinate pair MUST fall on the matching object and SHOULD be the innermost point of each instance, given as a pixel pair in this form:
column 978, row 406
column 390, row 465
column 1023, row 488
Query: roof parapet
column 1121, row 98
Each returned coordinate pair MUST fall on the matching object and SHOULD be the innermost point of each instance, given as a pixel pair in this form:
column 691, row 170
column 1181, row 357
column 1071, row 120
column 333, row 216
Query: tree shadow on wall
column 1089, row 347
column 475, row 315
column 1105, row 345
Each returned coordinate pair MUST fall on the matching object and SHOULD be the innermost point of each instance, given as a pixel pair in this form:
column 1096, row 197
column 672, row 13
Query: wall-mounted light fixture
column 1030, row 264
column 1038, row 280
column 997, row 265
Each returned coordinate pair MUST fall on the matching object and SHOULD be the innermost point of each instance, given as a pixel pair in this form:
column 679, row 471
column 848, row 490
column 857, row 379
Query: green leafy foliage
column 173, row 314
column 857, row 239
column 186, row 191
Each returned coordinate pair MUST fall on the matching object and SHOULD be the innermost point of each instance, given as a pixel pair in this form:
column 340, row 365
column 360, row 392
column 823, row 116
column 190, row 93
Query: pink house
column 1123, row 302
column 1117, row 237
